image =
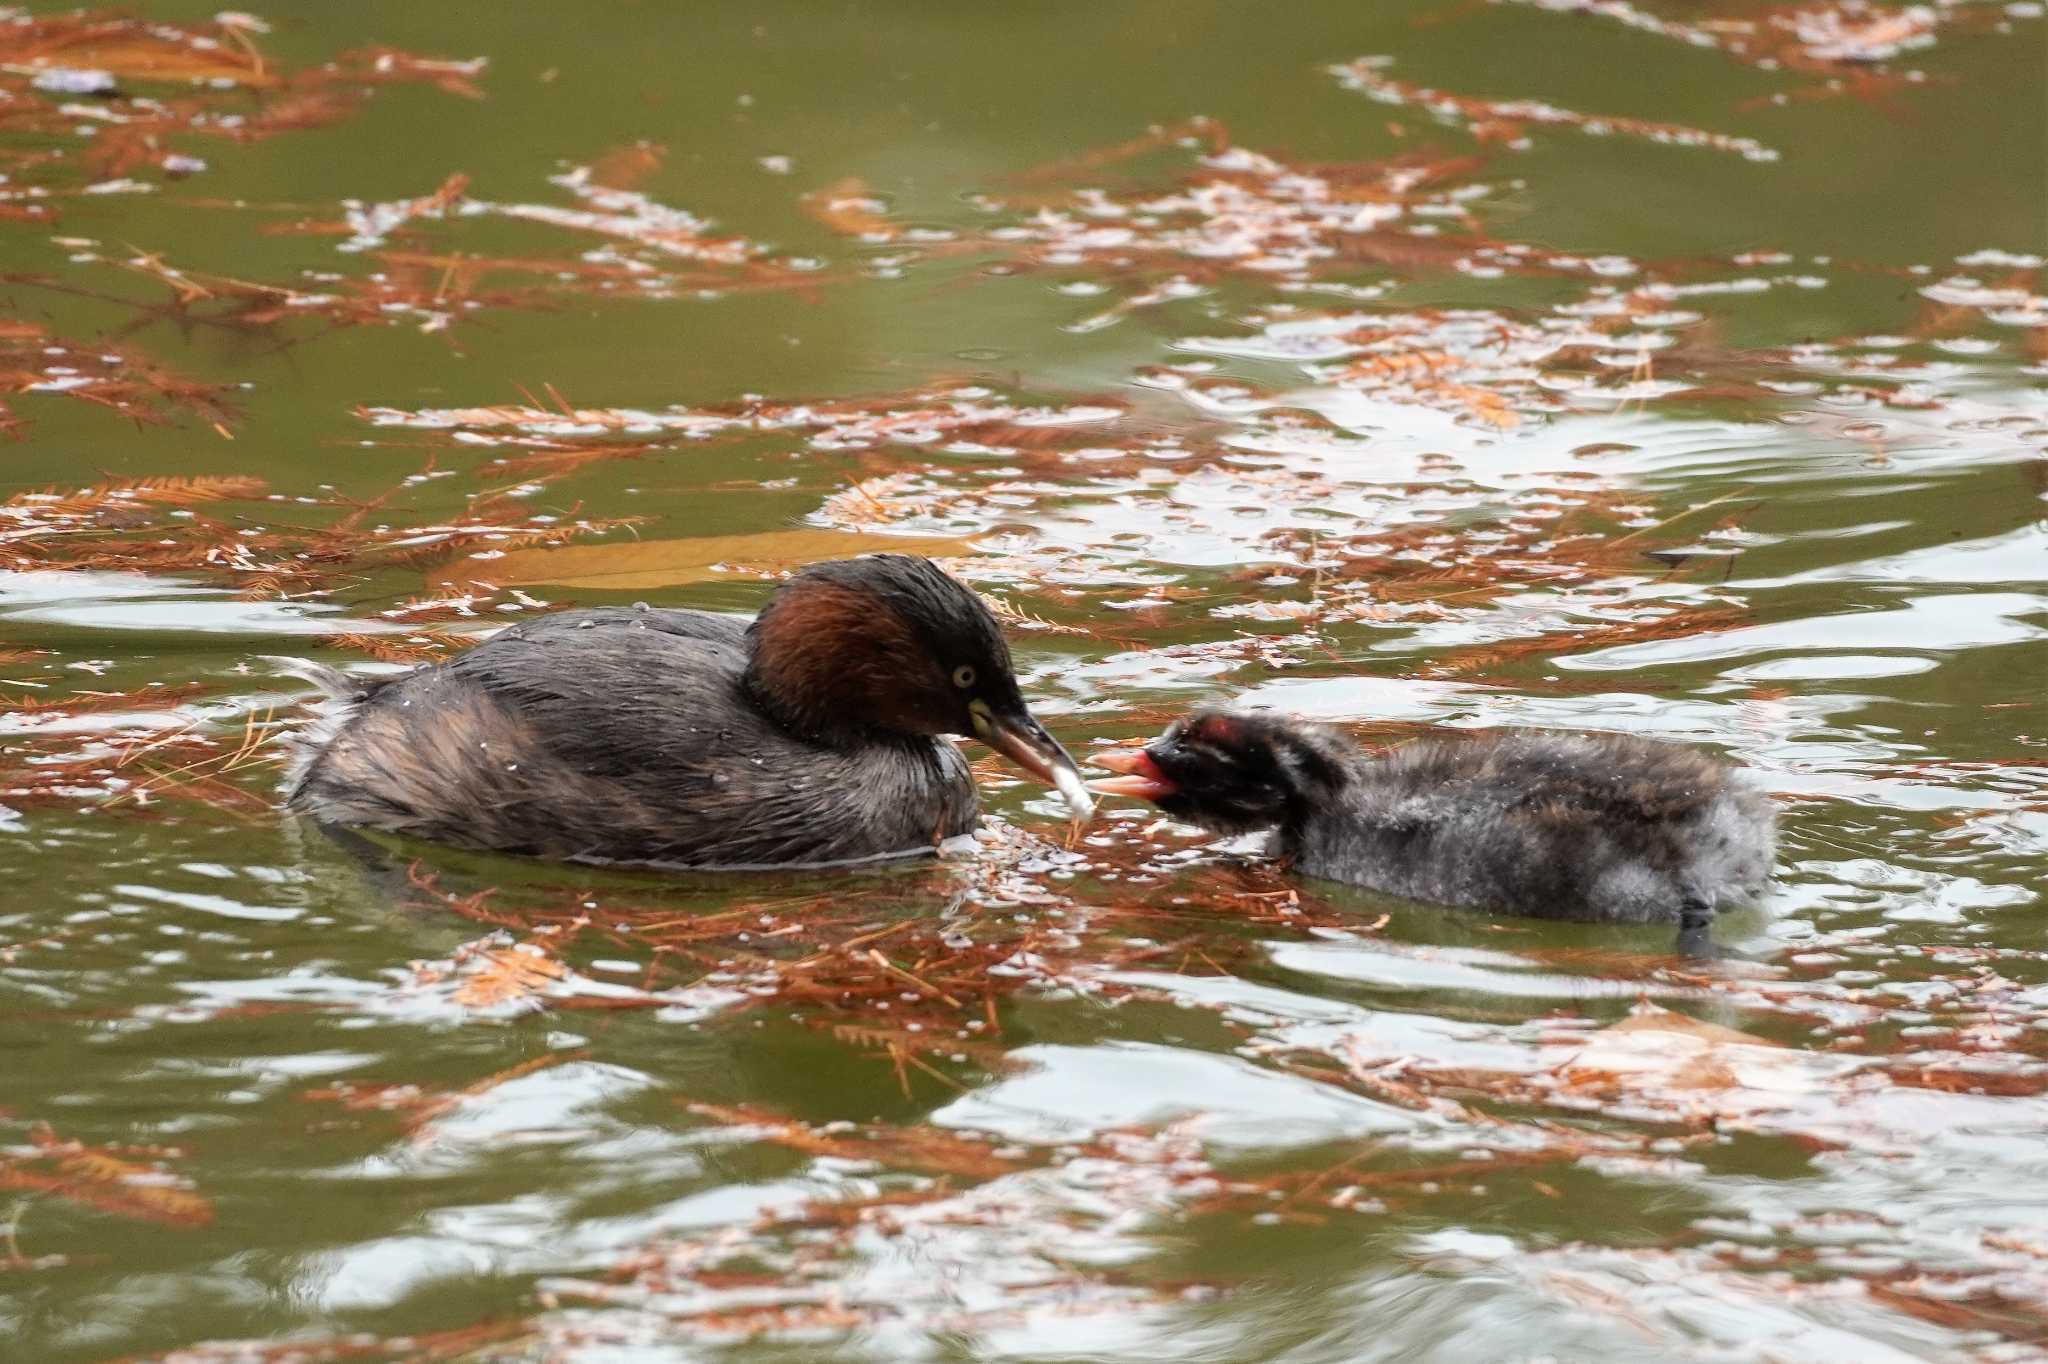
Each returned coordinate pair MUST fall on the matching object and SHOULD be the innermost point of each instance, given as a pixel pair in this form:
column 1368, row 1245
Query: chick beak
column 1140, row 777
column 1024, row 742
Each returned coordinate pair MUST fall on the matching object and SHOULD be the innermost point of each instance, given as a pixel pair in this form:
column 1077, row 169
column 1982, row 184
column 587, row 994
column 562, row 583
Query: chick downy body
column 1561, row 826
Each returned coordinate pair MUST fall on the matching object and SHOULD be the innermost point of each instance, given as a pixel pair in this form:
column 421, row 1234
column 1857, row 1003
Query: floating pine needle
column 162, row 88
column 135, row 1184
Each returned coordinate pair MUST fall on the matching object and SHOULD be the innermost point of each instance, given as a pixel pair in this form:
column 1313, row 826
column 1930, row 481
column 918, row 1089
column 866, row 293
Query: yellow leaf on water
column 1650, row 1018
column 665, row 563
column 505, row 974
column 1657, row 1050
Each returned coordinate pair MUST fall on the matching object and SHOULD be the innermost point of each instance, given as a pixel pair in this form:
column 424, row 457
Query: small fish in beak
column 1024, row 742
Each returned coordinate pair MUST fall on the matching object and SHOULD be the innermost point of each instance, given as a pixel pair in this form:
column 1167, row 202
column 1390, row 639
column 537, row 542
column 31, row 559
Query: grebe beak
column 1024, row 742
column 1141, row 778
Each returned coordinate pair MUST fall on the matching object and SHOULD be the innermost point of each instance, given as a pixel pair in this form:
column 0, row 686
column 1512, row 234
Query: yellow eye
column 963, row 676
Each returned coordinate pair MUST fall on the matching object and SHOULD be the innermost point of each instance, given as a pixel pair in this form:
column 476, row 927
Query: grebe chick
column 812, row 734
column 1553, row 826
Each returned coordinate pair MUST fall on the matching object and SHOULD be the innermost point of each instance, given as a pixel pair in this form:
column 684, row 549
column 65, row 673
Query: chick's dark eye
column 963, row 676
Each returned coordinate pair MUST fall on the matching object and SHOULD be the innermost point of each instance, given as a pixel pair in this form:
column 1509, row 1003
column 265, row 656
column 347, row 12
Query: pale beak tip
column 1024, row 741
column 1074, row 791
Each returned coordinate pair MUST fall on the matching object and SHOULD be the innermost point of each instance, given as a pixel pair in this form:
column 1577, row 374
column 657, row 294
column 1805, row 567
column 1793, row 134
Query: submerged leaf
column 666, row 563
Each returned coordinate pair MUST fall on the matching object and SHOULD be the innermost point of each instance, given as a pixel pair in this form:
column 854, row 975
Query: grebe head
column 890, row 643
column 1230, row 771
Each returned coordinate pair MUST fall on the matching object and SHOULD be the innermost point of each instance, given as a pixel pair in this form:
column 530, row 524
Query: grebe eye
column 963, row 676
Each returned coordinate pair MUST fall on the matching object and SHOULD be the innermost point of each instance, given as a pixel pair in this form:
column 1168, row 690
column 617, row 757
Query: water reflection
column 1398, row 412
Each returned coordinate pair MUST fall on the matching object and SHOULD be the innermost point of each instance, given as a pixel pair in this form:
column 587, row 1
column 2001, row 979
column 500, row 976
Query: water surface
column 1669, row 371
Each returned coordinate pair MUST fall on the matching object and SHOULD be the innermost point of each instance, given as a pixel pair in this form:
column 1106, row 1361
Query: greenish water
column 1743, row 451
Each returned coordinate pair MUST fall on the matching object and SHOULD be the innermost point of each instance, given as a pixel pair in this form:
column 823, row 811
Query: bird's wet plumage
column 812, row 734
column 1562, row 826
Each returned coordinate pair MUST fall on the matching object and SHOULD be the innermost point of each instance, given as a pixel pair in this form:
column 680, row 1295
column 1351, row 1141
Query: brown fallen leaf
column 626, row 167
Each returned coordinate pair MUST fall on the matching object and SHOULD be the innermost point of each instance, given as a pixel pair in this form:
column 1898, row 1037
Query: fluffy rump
column 340, row 695
column 1551, row 826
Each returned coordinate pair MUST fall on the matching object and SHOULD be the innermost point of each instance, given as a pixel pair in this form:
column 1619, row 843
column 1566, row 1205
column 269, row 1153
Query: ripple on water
column 1335, row 445
column 1073, row 1093
column 1944, row 625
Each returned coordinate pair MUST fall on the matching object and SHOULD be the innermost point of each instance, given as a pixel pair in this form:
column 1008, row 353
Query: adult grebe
column 810, row 735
